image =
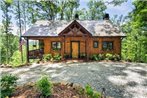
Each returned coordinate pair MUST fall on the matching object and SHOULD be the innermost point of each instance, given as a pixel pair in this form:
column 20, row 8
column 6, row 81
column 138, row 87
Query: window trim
column 94, row 44
column 56, row 45
column 107, row 42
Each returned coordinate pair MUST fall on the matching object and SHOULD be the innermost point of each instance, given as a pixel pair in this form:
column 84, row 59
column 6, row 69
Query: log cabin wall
column 66, row 44
column 48, row 45
column 116, row 45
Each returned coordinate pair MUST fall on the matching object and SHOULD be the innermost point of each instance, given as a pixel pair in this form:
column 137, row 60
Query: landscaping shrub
column 116, row 57
column 101, row 56
column 89, row 90
column 108, row 56
column 95, row 57
column 57, row 57
column 44, row 86
column 8, row 83
column 47, row 57
column 91, row 93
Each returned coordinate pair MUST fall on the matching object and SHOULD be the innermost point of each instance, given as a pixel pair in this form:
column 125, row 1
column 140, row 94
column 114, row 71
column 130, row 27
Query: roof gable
column 74, row 29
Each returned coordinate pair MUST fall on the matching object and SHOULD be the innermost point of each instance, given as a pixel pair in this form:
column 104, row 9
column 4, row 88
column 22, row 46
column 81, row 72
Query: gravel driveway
column 121, row 80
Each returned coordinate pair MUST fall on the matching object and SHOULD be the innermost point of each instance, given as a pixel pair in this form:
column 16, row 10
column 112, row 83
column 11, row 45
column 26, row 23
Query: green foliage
column 91, row 93
column 96, row 9
column 134, row 46
column 8, row 83
column 109, row 56
column 44, row 86
column 98, row 57
column 6, row 34
column 47, row 57
column 16, row 60
column 95, row 57
column 96, row 95
column 9, row 1
column 57, row 57
column 101, row 56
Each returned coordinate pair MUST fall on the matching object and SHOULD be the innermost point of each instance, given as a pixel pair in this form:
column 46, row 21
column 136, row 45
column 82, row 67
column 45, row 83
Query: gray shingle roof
column 53, row 28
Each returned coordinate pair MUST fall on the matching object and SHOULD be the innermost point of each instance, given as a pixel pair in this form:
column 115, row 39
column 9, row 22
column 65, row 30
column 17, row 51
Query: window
column 107, row 45
column 95, row 44
column 56, row 45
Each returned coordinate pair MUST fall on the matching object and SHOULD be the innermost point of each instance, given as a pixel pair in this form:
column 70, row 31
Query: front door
column 75, row 49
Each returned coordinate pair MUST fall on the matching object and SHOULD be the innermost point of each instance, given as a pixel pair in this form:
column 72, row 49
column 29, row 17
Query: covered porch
column 34, row 48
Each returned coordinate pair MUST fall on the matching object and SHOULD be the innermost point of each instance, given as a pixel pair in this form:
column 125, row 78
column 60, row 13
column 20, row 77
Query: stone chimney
column 106, row 16
column 76, row 16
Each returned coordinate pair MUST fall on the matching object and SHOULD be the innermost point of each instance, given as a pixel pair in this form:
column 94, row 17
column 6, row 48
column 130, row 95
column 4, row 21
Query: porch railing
column 36, row 54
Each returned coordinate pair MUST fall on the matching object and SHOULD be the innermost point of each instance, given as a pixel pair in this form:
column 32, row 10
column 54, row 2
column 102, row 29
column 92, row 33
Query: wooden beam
column 71, row 29
column 27, row 49
column 87, row 48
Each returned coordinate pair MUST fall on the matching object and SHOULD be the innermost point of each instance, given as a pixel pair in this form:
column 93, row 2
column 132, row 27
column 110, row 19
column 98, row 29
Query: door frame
column 78, row 48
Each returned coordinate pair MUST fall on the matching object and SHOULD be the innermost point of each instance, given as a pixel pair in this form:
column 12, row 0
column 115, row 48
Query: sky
column 124, row 9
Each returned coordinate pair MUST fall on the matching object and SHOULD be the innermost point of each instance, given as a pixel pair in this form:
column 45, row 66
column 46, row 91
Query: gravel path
column 121, row 80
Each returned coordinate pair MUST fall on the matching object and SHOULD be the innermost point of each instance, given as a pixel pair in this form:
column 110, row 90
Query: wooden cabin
column 74, row 38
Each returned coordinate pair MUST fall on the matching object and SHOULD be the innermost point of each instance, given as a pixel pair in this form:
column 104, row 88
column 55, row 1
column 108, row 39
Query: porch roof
column 45, row 28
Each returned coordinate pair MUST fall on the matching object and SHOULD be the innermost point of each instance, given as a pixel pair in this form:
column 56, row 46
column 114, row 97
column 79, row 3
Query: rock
column 75, row 97
column 64, row 83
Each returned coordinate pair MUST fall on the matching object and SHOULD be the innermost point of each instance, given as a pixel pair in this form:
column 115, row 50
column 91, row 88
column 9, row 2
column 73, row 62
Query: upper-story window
column 56, row 45
column 107, row 45
column 95, row 44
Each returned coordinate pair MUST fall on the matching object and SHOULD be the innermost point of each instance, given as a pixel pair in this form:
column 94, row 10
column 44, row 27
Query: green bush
column 57, row 57
column 8, row 83
column 101, row 56
column 91, row 93
column 44, row 86
column 47, row 57
column 16, row 59
column 98, row 57
column 95, row 57
column 116, row 57
column 108, row 56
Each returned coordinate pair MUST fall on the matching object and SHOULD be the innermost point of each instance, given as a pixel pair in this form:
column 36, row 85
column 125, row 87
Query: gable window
column 107, row 45
column 56, row 45
column 95, row 44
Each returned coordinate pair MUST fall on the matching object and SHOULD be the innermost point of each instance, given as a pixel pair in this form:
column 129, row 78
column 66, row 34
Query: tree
column 18, row 16
column 96, row 9
column 116, row 2
column 5, row 7
column 48, row 9
column 62, row 4
column 72, row 6
column 32, row 11
column 135, row 45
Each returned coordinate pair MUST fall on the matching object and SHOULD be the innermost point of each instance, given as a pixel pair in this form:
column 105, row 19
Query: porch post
column 27, row 49
column 87, row 47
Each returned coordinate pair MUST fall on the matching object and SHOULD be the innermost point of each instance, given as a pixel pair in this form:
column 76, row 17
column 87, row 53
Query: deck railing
column 36, row 54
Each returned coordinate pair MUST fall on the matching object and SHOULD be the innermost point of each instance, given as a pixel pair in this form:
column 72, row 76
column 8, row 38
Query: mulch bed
column 59, row 91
